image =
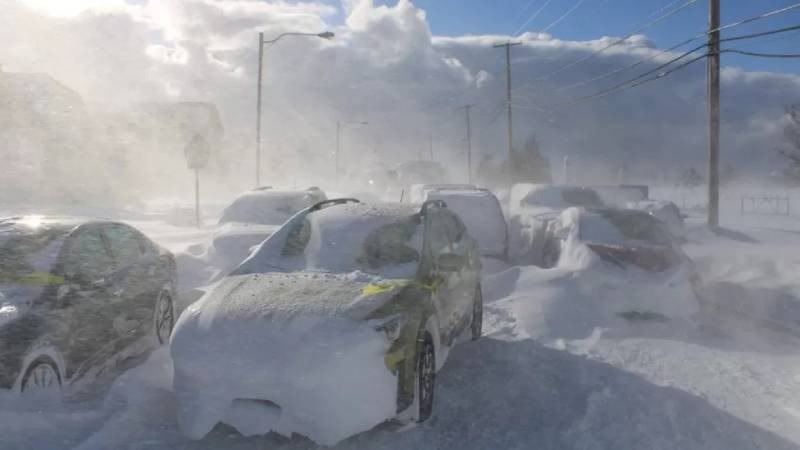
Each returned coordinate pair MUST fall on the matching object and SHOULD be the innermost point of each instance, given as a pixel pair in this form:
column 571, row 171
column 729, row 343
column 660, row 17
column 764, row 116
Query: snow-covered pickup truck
column 336, row 323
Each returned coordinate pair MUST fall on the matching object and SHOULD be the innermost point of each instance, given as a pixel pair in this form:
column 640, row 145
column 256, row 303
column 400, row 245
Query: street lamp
column 261, row 42
column 338, row 141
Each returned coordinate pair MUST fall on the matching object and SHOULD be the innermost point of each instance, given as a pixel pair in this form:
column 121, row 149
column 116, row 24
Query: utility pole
column 430, row 145
column 508, row 46
column 258, row 109
column 338, row 148
column 713, row 114
column 466, row 109
column 197, row 197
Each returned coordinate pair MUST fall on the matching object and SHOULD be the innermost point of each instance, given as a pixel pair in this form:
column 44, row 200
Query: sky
column 596, row 18
column 405, row 68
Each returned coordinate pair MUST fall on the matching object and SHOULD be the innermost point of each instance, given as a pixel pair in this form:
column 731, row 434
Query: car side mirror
column 450, row 262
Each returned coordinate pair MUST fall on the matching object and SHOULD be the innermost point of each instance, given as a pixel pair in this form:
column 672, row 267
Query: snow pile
column 481, row 213
column 296, row 361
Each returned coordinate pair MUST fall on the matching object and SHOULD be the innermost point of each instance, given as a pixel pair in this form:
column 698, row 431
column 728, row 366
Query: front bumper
column 324, row 378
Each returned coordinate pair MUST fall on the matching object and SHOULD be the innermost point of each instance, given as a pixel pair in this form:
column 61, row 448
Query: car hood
column 280, row 296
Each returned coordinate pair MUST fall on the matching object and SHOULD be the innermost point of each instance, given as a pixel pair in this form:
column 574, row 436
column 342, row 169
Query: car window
column 389, row 245
column 88, row 257
column 126, row 245
column 439, row 234
column 582, row 197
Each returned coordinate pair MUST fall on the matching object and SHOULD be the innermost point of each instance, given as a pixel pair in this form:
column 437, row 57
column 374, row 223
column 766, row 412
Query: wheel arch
column 38, row 353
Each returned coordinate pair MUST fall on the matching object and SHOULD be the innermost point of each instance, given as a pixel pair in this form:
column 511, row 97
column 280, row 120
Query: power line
column 641, row 79
column 680, row 44
column 612, row 44
column 626, row 86
column 761, row 55
column 570, row 11
column 532, row 17
column 760, row 34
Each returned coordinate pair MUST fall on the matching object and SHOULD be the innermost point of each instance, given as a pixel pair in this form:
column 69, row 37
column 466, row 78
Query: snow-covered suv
column 336, row 323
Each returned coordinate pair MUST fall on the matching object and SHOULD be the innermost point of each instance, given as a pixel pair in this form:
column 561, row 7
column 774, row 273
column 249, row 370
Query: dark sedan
column 80, row 300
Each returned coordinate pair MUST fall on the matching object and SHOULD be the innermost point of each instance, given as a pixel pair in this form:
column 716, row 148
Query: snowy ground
column 541, row 379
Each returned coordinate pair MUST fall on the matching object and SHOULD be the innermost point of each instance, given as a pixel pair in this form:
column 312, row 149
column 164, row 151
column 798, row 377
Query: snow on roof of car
column 561, row 196
column 268, row 206
column 481, row 213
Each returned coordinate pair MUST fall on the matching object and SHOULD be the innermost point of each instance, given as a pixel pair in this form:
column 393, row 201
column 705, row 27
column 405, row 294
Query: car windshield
column 22, row 256
column 623, row 228
column 386, row 246
column 266, row 208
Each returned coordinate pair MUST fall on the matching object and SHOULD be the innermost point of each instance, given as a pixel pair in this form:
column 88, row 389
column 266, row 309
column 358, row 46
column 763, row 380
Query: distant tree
column 690, row 178
column 528, row 165
column 791, row 148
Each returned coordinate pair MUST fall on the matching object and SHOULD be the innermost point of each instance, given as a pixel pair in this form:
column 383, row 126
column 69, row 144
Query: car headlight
column 392, row 326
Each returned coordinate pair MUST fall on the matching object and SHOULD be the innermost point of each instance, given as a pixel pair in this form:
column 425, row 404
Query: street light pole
column 261, row 42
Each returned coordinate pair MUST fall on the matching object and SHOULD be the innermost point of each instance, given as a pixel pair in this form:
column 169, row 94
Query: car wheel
column 164, row 317
column 42, row 380
column 426, row 377
column 476, row 328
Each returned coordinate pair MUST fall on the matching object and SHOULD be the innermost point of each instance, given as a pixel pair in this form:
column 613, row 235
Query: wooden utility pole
column 713, row 114
column 466, row 109
column 430, row 145
column 258, row 108
column 508, row 46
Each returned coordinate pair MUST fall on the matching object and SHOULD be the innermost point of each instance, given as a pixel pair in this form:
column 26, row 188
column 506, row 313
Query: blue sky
column 595, row 18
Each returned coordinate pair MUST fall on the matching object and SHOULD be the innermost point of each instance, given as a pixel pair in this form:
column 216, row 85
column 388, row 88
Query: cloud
column 385, row 67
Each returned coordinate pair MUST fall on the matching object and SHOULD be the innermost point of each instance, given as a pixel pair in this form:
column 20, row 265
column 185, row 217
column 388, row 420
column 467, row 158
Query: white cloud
column 386, row 67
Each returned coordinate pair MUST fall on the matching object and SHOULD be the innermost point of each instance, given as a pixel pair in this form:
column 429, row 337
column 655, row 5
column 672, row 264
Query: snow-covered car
column 482, row 214
column 336, row 323
column 665, row 211
column 418, row 193
column 253, row 217
column 531, row 208
column 636, row 243
column 79, row 300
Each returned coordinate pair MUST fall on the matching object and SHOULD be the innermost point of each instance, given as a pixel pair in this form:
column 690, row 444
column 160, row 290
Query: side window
column 126, row 246
column 298, row 238
column 87, row 257
column 438, row 234
column 456, row 227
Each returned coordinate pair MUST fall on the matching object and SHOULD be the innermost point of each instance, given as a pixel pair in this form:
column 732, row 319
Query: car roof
column 33, row 224
column 359, row 209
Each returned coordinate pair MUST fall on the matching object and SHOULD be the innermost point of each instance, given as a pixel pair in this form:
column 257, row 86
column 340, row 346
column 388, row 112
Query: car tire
column 476, row 327
column 42, row 378
column 164, row 317
column 426, row 377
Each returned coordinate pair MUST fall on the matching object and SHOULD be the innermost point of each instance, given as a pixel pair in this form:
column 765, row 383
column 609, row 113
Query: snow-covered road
column 543, row 377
